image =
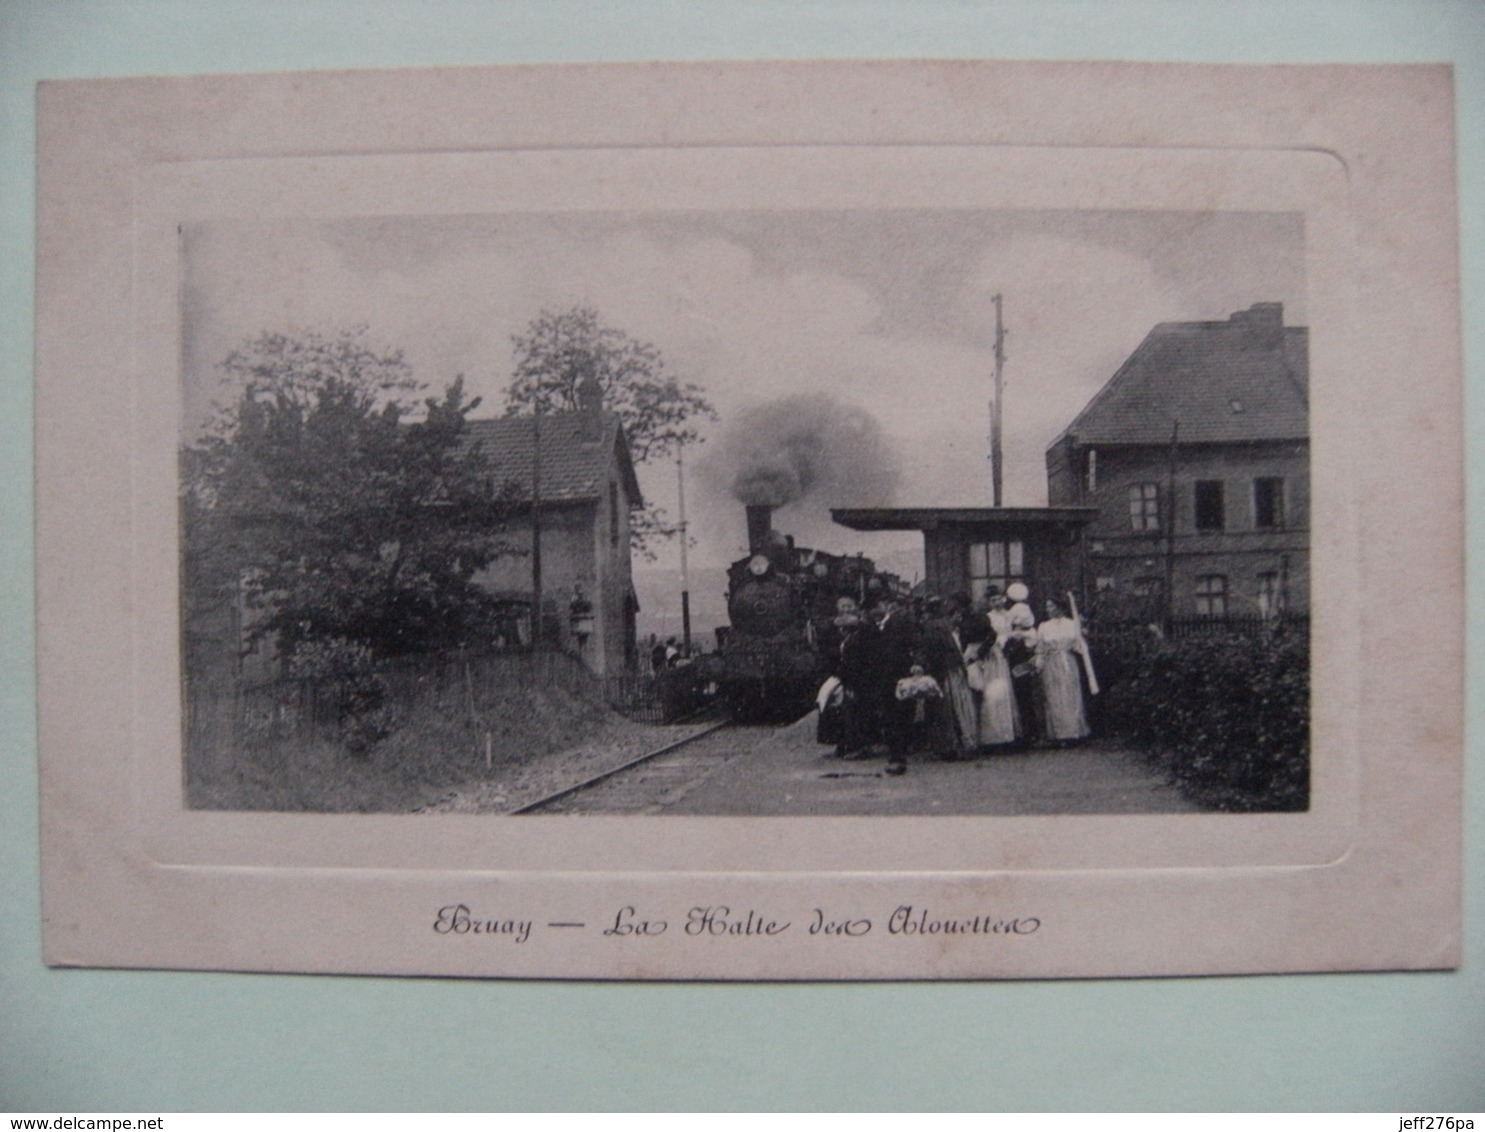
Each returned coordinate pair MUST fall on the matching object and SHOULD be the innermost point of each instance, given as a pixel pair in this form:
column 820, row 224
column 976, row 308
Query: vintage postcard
column 751, row 521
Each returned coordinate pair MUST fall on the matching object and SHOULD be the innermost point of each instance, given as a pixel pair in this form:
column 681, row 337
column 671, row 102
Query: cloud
column 731, row 308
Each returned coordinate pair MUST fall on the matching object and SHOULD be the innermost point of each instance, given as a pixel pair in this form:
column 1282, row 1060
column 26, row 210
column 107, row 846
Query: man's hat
column 1017, row 592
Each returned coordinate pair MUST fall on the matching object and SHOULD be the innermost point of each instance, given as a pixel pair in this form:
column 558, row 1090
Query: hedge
column 1227, row 713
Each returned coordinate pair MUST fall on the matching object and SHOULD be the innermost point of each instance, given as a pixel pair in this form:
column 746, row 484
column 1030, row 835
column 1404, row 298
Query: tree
column 298, row 366
column 658, row 411
column 337, row 517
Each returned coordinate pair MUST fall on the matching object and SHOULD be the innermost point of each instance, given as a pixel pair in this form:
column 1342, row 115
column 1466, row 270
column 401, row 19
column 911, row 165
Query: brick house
column 586, row 485
column 1196, row 456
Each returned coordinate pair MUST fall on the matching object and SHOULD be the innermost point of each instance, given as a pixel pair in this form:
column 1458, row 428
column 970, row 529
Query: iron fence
column 1184, row 628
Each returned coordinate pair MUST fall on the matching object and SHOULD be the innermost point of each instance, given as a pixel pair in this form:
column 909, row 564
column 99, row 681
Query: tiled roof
column 1244, row 379
column 572, row 469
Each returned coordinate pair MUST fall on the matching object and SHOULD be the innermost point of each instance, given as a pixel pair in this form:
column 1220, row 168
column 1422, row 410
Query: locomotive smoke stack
column 760, row 527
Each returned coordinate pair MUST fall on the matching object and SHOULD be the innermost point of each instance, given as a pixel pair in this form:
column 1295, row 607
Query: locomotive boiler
column 780, row 601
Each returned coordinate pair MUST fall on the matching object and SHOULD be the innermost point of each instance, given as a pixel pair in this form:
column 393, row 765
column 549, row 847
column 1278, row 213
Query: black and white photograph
column 772, row 556
column 914, row 530
column 897, row 511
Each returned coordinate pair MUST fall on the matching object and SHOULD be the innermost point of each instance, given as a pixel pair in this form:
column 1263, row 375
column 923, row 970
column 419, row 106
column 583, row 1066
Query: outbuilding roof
column 575, row 457
column 1242, row 379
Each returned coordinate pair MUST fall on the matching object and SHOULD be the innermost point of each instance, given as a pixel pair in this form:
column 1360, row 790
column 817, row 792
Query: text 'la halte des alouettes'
column 711, row 920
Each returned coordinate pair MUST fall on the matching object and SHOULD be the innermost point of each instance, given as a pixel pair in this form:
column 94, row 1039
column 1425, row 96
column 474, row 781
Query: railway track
column 647, row 783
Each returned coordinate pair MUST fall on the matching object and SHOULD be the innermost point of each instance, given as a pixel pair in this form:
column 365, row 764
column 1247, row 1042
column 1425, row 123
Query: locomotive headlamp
column 758, row 565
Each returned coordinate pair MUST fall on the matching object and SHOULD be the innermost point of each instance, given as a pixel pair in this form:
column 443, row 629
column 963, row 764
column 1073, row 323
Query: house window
column 1090, row 470
column 1210, row 506
column 997, row 564
column 1270, row 594
column 1268, row 503
column 1148, row 586
column 1211, row 595
column 1144, row 506
column 613, row 514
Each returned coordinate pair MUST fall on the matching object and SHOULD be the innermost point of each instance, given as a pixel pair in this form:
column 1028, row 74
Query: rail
column 602, row 776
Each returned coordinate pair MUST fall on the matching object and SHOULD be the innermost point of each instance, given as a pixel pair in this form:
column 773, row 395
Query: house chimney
column 590, row 409
column 760, row 527
column 1265, row 321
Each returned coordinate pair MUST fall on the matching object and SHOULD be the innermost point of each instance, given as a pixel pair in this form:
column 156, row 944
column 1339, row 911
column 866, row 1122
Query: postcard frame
column 1370, row 881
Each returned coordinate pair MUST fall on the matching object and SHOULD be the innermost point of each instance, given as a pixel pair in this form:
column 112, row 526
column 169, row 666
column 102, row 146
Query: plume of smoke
column 808, row 447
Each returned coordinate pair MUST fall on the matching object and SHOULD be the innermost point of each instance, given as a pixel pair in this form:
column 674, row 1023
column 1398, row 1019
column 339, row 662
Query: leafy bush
column 357, row 696
column 1227, row 712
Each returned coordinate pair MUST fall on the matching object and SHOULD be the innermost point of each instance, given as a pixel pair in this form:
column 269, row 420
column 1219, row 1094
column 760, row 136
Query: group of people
column 951, row 678
column 664, row 654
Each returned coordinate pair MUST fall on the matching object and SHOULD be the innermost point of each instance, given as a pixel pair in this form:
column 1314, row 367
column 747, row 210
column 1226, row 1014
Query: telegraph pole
column 537, row 620
column 1170, row 525
column 996, row 421
column 680, row 475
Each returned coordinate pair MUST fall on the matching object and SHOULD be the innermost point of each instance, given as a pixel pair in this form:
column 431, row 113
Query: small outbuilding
column 969, row 549
column 574, row 474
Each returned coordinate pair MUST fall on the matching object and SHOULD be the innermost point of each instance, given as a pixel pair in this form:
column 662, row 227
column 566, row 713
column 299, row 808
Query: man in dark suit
column 893, row 655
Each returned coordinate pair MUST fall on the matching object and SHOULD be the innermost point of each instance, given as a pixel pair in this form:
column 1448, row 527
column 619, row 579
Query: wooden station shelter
column 969, row 549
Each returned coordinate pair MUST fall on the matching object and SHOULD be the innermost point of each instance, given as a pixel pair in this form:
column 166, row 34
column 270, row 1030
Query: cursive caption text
column 721, row 921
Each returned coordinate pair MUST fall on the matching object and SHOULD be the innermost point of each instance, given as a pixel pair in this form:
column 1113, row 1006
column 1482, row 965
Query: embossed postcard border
column 1369, row 878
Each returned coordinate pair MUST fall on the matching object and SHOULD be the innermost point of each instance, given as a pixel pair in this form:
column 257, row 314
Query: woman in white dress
column 990, row 675
column 1019, row 646
column 1059, row 647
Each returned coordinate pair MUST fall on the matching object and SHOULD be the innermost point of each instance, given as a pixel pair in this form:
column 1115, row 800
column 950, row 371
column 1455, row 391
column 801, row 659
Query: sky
column 884, row 312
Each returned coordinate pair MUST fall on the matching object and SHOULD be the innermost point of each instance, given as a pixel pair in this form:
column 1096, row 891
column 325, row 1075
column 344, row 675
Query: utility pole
column 680, row 475
column 1170, row 527
column 996, row 420
column 537, row 620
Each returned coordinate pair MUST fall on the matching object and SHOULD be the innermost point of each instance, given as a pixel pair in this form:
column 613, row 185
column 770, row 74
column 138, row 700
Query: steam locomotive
column 781, row 601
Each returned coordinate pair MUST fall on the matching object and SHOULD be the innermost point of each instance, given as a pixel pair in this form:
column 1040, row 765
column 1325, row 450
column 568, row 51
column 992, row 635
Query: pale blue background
column 104, row 1040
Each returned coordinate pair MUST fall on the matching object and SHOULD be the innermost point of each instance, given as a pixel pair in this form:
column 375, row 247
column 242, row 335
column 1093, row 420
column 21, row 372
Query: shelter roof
column 932, row 518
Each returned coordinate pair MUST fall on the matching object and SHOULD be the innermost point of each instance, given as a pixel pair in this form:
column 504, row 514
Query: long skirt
column 1062, row 697
column 1000, row 723
column 962, row 703
column 941, row 728
column 842, row 724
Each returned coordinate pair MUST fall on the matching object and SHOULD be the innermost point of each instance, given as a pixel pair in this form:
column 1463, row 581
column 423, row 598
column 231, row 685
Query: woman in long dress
column 990, row 676
column 1013, row 622
column 950, row 724
column 1058, row 660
